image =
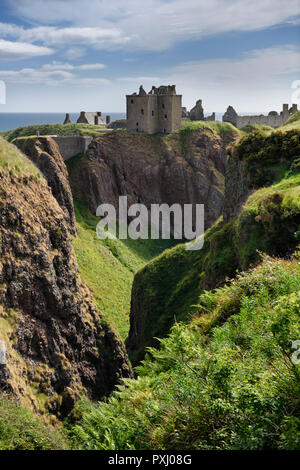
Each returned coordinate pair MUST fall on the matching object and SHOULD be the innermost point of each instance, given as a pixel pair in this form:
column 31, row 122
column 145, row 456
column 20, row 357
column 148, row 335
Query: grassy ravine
column 108, row 267
column 168, row 287
column 229, row 387
column 225, row 378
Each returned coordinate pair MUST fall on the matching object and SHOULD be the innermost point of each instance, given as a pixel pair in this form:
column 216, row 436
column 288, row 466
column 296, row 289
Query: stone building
column 93, row 118
column 273, row 119
column 157, row 111
column 197, row 113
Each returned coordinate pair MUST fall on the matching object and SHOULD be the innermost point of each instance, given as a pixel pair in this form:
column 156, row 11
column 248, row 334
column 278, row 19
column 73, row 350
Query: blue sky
column 69, row 55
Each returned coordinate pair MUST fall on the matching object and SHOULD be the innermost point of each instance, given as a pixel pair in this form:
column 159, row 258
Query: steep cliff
column 57, row 344
column 265, row 219
column 44, row 153
column 185, row 167
column 260, row 159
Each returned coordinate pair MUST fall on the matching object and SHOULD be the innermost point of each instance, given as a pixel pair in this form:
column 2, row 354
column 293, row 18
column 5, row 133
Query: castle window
column 131, row 101
column 163, row 106
column 152, row 113
column 166, row 117
column 137, row 124
column 142, row 111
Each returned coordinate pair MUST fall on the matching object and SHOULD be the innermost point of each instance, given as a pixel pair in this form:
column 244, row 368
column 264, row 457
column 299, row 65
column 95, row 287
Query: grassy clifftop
column 51, row 129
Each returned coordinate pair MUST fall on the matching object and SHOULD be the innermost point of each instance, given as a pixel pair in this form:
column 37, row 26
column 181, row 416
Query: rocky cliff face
column 44, row 153
column 180, row 168
column 57, row 344
column 237, row 186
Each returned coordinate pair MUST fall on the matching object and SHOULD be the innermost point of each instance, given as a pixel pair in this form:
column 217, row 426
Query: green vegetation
column 172, row 283
column 52, row 129
column 233, row 386
column 224, row 129
column 268, row 157
column 20, row 429
column 257, row 127
column 223, row 374
column 14, row 162
column 292, row 123
column 169, row 286
column 107, row 266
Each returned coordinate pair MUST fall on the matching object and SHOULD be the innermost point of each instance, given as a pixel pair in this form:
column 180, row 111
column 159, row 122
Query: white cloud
column 66, row 66
column 139, row 79
column 254, row 82
column 21, row 50
column 30, row 76
column 74, row 53
column 98, row 38
column 7, row 29
column 151, row 25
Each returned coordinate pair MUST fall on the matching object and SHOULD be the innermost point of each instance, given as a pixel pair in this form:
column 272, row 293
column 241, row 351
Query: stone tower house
column 156, row 111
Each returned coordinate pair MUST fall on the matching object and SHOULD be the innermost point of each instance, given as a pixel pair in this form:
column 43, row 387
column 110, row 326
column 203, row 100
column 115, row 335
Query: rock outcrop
column 58, row 346
column 183, row 168
column 237, row 186
column 44, row 153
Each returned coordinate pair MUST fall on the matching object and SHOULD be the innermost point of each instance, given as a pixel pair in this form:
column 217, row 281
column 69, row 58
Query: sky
column 71, row 55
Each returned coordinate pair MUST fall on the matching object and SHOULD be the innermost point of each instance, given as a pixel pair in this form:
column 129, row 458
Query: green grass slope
column 108, row 267
column 20, row 429
column 234, row 386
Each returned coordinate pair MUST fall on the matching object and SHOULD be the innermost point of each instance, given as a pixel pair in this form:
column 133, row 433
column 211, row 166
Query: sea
column 12, row 120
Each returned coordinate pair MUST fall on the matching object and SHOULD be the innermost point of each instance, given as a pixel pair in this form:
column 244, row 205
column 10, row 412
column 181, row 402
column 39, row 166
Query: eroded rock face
column 237, row 186
column 183, row 169
column 56, row 339
column 44, row 153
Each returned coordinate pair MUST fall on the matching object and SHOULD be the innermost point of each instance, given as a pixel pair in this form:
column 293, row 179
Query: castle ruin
column 273, row 119
column 157, row 111
column 92, row 118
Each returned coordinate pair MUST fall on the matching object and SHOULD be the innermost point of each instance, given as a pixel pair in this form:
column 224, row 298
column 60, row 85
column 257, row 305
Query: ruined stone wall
column 273, row 121
column 69, row 146
column 176, row 111
column 142, row 113
column 165, row 108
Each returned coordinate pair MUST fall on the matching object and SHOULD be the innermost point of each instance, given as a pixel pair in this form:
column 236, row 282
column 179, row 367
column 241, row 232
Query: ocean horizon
column 10, row 121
